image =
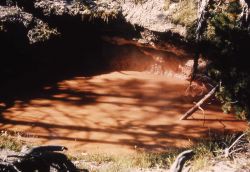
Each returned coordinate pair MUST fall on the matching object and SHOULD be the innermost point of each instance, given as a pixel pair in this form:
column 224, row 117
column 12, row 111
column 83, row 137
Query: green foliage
column 225, row 27
column 229, row 41
column 234, row 7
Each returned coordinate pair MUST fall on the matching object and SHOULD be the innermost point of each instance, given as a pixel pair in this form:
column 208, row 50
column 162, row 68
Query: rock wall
column 59, row 29
column 80, row 30
column 141, row 18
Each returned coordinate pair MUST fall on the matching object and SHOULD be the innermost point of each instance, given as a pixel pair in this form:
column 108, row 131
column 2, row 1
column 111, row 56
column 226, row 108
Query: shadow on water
column 56, row 79
column 26, row 68
column 110, row 111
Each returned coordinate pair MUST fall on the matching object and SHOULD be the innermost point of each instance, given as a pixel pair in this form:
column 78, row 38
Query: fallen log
column 42, row 149
column 197, row 105
column 180, row 160
column 40, row 158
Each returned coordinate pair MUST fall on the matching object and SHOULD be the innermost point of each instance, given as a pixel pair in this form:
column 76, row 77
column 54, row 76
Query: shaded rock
column 151, row 15
column 36, row 29
column 84, row 9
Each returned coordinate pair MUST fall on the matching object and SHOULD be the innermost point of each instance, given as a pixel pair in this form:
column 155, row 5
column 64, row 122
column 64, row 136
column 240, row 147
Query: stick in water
column 197, row 105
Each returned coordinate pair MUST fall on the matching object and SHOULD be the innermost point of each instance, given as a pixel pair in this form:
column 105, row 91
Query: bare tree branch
column 198, row 105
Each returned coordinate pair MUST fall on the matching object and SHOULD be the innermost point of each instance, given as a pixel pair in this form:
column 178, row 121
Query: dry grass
column 139, row 160
column 205, row 150
column 186, row 13
column 10, row 142
column 167, row 4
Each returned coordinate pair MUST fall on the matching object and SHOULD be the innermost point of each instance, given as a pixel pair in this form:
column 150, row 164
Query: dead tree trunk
column 244, row 14
column 197, row 105
column 202, row 18
column 201, row 25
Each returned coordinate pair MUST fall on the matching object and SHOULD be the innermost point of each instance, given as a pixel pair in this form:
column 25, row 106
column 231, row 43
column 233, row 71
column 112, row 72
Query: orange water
column 118, row 112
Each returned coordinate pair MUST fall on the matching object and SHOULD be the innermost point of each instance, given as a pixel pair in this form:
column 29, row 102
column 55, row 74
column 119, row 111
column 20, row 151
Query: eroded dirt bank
column 113, row 113
column 114, row 97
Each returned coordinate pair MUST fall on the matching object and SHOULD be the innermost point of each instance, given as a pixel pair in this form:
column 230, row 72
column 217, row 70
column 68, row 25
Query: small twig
column 237, row 140
column 227, row 150
column 235, row 150
column 204, row 118
column 222, row 124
